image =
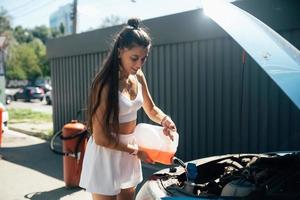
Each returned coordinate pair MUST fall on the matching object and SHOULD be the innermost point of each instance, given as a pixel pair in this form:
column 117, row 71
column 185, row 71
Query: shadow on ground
column 52, row 194
column 38, row 157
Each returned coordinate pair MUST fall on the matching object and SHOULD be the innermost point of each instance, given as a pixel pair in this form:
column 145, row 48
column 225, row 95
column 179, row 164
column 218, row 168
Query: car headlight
column 150, row 191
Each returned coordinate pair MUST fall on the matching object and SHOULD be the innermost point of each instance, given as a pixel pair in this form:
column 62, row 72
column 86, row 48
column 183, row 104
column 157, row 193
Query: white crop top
column 128, row 108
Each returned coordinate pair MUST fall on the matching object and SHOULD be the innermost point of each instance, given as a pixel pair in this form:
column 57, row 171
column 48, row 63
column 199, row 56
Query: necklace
column 127, row 86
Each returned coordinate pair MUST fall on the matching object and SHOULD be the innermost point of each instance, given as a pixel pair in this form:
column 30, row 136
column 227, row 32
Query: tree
column 55, row 33
column 41, row 32
column 112, row 20
column 13, row 68
column 26, row 52
column 40, row 51
column 15, row 73
column 5, row 21
column 22, row 35
column 24, row 63
column 29, row 62
column 62, row 28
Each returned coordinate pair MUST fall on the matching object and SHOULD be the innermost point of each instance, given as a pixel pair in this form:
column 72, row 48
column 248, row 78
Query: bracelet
column 135, row 152
column 135, row 148
column 163, row 119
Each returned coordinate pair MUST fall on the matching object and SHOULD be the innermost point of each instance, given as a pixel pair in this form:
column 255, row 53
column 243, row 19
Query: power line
column 26, row 4
column 36, row 8
column 32, row 9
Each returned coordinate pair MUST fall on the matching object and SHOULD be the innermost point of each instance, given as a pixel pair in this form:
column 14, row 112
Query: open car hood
column 271, row 176
column 279, row 59
column 268, row 176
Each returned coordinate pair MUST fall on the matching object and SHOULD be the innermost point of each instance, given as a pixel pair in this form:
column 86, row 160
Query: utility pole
column 3, row 45
column 74, row 16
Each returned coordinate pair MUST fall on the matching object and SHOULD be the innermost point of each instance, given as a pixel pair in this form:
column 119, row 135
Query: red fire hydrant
column 74, row 136
column 75, row 142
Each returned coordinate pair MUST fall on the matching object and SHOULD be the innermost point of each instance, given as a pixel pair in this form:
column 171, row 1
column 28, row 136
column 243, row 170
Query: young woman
column 112, row 166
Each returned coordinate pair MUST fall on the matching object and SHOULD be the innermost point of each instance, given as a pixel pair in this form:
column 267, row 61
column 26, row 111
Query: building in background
column 61, row 20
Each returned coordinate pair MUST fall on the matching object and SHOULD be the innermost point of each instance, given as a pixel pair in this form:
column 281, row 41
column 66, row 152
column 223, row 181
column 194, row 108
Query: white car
column 244, row 176
column 9, row 95
column 48, row 97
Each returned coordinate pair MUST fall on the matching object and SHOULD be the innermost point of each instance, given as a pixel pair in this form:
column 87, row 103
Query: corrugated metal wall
column 220, row 104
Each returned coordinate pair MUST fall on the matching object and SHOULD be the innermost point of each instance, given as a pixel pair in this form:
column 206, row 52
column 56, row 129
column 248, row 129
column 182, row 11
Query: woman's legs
column 103, row 197
column 126, row 194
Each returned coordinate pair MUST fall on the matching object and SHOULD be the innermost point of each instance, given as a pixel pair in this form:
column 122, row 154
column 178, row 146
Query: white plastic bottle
column 159, row 147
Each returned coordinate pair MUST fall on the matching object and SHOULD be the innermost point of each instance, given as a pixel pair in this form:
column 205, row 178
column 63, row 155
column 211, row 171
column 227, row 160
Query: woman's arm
column 152, row 111
column 102, row 138
column 100, row 134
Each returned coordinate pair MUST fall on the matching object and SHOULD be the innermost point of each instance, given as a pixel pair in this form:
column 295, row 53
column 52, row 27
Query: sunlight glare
column 211, row 8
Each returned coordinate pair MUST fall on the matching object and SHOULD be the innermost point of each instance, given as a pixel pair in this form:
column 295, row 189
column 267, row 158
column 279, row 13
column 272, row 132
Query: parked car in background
column 8, row 99
column 9, row 96
column 48, row 97
column 45, row 84
column 28, row 93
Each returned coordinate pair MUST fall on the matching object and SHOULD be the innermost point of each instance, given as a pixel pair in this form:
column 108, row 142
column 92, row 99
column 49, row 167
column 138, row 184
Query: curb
column 35, row 134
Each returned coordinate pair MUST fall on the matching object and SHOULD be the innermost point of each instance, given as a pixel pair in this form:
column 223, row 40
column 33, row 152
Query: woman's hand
column 143, row 155
column 169, row 126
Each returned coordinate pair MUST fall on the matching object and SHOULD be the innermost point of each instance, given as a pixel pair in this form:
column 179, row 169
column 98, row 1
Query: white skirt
column 106, row 171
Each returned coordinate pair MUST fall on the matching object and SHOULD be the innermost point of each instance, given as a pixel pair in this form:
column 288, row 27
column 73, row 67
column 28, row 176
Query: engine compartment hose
column 176, row 160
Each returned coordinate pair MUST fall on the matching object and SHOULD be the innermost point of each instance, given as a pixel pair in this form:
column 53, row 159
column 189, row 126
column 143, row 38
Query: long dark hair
column 130, row 36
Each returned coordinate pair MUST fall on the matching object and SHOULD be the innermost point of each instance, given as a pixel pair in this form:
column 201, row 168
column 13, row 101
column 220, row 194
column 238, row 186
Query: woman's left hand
column 169, row 126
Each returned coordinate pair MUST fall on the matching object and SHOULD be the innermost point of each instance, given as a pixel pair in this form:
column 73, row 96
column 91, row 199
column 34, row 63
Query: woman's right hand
column 144, row 156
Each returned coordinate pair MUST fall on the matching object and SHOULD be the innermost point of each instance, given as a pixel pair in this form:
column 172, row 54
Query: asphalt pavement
column 30, row 170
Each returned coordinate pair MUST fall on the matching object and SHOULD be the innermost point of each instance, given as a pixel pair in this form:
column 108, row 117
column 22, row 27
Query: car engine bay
column 245, row 176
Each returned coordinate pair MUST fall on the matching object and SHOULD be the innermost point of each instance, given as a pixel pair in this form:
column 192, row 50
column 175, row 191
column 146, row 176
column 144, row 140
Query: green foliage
column 38, row 47
column 5, row 21
column 45, row 66
column 13, row 68
column 15, row 73
column 56, row 33
column 26, row 57
column 36, row 123
column 22, row 35
column 40, row 51
column 11, row 41
column 41, row 32
column 24, row 63
column 62, row 28
column 17, row 115
column 29, row 61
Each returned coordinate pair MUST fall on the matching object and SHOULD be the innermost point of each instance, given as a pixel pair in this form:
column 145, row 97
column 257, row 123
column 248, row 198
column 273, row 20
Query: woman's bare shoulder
column 104, row 92
column 106, row 87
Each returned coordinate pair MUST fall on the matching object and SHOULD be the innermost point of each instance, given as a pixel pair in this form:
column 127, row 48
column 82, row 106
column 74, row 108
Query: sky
column 31, row 13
